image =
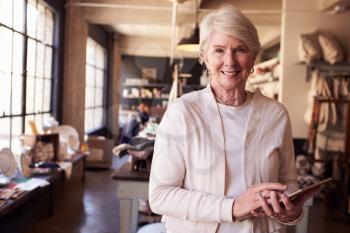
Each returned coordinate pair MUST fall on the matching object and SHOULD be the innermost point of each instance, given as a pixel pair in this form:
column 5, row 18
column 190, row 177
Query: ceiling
column 144, row 27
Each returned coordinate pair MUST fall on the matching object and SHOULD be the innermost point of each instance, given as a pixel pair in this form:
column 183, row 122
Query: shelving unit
column 155, row 95
column 332, row 71
column 339, row 69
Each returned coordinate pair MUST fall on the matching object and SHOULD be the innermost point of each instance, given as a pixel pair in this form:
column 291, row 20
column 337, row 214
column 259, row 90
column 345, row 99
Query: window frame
column 101, row 68
column 52, row 45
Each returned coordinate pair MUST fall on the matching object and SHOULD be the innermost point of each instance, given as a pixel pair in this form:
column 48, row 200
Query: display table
column 53, row 178
column 13, row 204
column 130, row 187
column 79, row 164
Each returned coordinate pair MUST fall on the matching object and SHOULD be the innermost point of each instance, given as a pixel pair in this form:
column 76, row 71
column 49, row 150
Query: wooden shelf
column 339, row 69
column 332, row 100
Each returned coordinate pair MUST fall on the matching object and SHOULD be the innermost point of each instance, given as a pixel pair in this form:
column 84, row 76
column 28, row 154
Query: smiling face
column 229, row 60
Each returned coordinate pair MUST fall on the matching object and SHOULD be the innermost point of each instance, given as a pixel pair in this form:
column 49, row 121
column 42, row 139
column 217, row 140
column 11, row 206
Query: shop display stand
column 332, row 71
column 152, row 94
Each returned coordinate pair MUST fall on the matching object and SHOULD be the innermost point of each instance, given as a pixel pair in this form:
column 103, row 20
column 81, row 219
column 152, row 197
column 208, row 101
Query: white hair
column 232, row 22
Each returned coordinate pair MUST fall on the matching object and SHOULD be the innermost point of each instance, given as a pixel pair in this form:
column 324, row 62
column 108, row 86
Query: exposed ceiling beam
column 123, row 16
column 139, row 21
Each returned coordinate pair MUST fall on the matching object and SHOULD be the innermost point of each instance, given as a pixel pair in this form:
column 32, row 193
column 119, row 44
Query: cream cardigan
column 187, row 179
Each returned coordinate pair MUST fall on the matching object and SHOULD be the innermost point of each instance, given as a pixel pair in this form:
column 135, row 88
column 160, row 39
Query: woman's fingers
column 275, row 202
column 270, row 186
column 267, row 209
column 259, row 196
column 258, row 214
column 255, row 213
column 288, row 204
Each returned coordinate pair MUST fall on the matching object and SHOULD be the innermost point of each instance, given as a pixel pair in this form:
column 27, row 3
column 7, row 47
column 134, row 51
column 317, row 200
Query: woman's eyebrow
column 218, row 46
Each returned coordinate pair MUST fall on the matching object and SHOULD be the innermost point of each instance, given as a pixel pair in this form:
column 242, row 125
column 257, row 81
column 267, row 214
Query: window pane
column 30, row 95
column 48, row 62
column 6, row 12
column 90, row 53
column 39, row 60
column 86, row 98
column 90, row 76
column 94, row 86
column 99, row 78
column 91, row 119
column 5, row 94
column 17, row 90
column 27, row 128
column 98, row 118
column 41, row 22
column 100, row 57
column 16, row 133
column 4, row 132
column 89, row 97
column 31, row 57
column 18, row 53
column 49, row 27
column 32, row 15
column 46, row 117
column 99, row 97
column 18, row 18
column 6, row 50
column 17, row 126
column 85, row 121
column 86, row 118
column 38, row 118
column 38, row 95
column 47, row 95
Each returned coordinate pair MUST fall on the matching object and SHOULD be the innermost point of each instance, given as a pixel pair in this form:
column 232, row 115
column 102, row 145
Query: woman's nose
column 230, row 59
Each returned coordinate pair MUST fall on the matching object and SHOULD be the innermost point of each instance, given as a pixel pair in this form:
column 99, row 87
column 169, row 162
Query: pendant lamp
column 190, row 44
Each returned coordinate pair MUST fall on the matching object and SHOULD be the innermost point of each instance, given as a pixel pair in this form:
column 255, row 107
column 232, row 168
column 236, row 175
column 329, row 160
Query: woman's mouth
column 231, row 72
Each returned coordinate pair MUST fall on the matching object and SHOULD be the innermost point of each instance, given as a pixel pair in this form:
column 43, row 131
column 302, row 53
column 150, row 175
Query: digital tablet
column 300, row 192
column 296, row 194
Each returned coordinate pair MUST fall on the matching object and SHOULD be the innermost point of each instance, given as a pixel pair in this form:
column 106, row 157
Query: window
column 95, row 86
column 26, row 45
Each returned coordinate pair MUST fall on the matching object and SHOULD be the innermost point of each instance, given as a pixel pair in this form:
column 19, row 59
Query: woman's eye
column 219, row 50
column 240, row 50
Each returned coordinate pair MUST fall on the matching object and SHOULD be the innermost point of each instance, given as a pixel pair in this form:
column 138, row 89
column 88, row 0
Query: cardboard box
column 100, row 149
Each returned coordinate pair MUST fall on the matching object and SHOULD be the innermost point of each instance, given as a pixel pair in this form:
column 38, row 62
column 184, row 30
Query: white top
column 234, row 120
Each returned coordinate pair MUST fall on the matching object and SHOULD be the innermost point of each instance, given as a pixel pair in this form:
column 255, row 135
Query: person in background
column 221, row 153
column 135, row 122
column 144, row 111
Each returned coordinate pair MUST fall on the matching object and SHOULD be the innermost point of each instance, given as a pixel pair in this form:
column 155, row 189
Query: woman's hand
column 250, row 200
column 279, row 206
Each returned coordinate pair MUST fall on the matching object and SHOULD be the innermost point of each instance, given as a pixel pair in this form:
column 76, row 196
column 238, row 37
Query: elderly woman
column 223, row 152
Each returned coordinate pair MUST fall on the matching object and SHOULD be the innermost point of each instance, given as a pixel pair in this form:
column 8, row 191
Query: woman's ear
column 204, row 61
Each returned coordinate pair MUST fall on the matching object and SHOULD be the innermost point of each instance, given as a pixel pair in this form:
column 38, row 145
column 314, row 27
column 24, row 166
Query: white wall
column 302, row 16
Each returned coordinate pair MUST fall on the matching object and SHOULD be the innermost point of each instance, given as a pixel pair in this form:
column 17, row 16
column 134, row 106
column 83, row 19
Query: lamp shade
column 190, row 44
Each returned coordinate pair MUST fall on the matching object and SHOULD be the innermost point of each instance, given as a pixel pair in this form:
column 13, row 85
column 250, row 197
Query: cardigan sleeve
column 287, row 170
column 167, row 195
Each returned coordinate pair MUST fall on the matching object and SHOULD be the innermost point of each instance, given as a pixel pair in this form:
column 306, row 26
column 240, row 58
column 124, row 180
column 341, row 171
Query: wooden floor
column 92, row 207
column 325, row 220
